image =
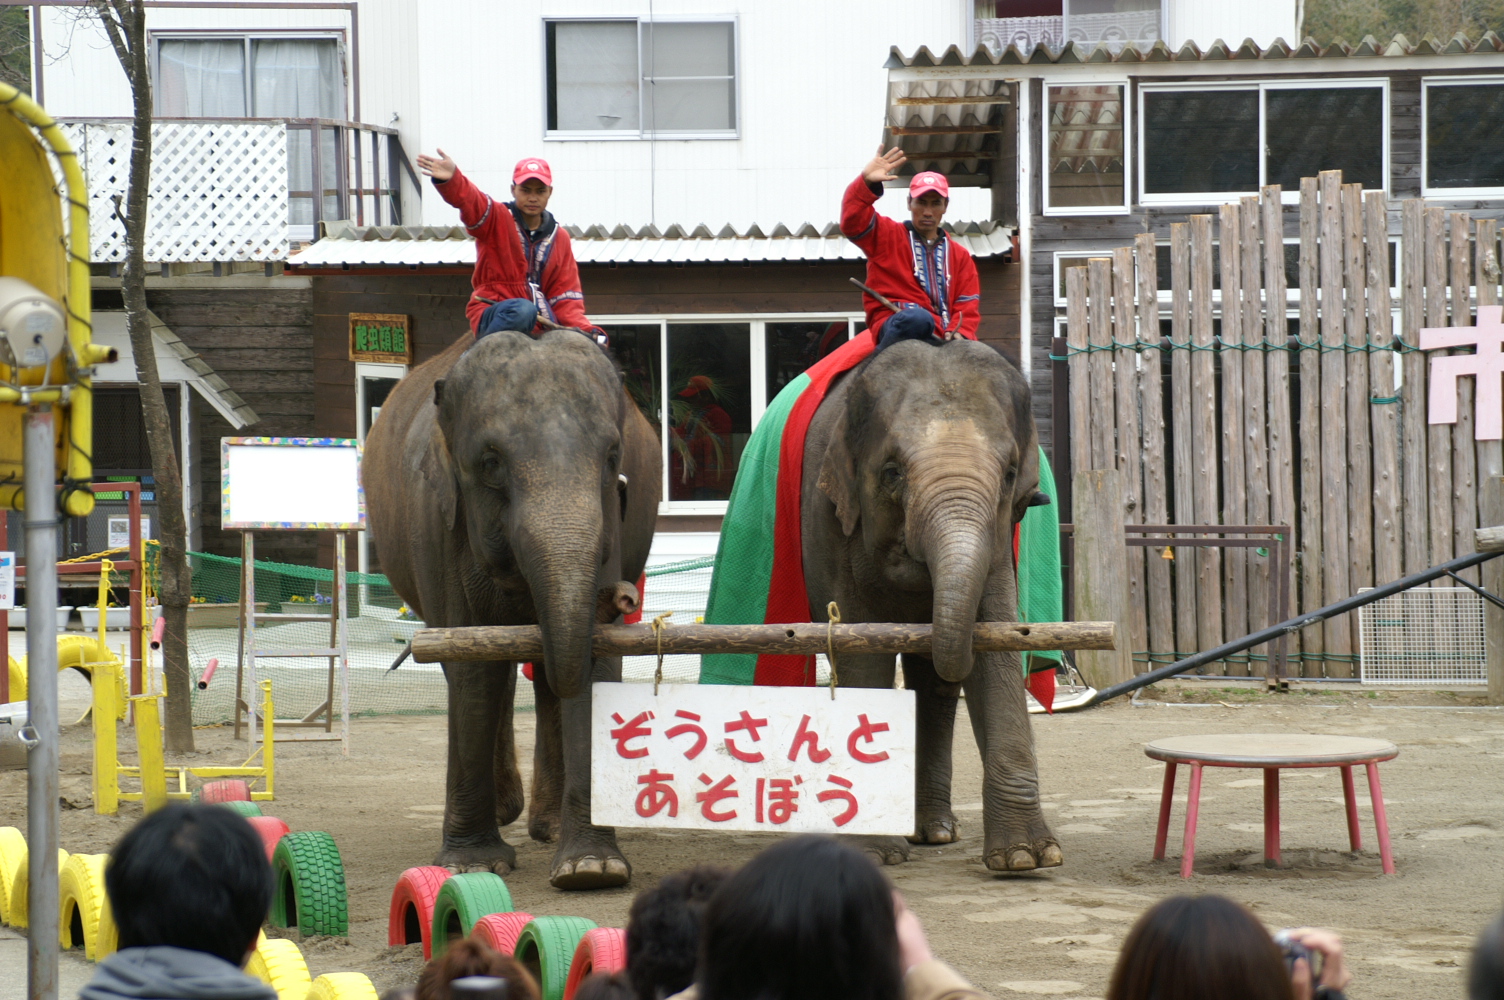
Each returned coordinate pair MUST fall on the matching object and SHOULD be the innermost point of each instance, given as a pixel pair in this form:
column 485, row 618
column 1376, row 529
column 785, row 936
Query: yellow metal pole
column 149, row 748
column 105, row 683
column 269, row 738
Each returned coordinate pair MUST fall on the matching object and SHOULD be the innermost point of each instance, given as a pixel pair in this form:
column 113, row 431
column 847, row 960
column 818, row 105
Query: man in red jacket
column 928, row 275
column 524, row 264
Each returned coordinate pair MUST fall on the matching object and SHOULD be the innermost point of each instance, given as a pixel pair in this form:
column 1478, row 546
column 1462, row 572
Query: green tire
column 546, row 948
column 310, row 885
column 243, row 808
column 462, row 900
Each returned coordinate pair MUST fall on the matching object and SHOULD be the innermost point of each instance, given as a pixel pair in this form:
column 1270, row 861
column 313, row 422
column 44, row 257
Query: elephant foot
column 500, row 858
column 1044, row 853
column 543, row 827
column 882, row 850
column 937, row 826
column 590, row 860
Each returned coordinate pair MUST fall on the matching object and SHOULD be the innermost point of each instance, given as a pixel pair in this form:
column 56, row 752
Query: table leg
column 1380, row 818
column 1271, row 817
column 1350, row 797
column 1166, row 797
column 1192, row 809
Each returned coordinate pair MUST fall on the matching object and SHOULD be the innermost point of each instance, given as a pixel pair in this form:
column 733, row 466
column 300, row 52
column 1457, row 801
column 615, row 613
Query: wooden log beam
column 1488, row 539
column 525, row 642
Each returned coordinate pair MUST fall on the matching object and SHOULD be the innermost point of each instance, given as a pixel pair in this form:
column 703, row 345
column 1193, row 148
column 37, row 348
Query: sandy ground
column 1053, row 933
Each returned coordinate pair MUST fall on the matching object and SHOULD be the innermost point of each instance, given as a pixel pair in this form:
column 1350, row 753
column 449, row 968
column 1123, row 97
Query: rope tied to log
column 834, row 611
column 658, row 623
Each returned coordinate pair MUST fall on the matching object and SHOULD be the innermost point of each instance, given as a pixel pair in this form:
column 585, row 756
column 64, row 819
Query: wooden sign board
column 382, row 338
column 769, row 759
column 291, row 484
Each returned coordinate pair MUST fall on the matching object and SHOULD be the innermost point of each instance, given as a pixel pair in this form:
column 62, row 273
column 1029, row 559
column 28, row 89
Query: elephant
column 917, row 464
column 511, row 480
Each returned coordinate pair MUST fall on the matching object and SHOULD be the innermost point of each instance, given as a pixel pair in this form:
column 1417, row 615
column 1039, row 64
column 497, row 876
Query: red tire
column 410, row 919
column 602, row 949
column 224, row 790
column 271, row 830
column 501, row 930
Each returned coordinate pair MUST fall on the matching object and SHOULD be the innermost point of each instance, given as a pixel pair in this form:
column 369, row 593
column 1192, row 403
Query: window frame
column 1426, row 83
column 1044, row 189
column 757, row 363
column 1288, row 197
column 643, row 134
column 247, row 36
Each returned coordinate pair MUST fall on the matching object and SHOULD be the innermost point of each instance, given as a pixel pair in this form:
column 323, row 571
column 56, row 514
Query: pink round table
column 1271, row 752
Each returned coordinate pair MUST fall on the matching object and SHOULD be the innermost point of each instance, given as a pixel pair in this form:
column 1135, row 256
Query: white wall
column 1205, row 21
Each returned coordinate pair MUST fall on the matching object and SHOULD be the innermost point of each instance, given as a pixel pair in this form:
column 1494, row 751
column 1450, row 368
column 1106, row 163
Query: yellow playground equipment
column 107, row 674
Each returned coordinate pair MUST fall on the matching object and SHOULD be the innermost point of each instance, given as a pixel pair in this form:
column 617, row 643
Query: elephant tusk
column 402, row 656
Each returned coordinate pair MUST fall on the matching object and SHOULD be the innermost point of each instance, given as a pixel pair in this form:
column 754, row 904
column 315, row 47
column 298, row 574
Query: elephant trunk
column 559, row 552
column 954, row 524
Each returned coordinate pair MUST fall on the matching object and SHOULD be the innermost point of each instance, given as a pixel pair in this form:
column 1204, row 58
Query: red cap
column 697, row 385
column 534, row 167
column 929, row 181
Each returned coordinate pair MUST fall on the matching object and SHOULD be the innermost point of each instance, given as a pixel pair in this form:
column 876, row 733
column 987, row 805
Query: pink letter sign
column 1486, row 365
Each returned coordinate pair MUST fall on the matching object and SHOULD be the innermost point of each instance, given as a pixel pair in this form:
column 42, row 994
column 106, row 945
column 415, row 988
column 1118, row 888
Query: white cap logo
column 532, row 164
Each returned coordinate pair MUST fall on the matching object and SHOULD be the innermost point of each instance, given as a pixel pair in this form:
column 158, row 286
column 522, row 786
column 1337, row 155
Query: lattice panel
column 218, row 190
column 1424, row 636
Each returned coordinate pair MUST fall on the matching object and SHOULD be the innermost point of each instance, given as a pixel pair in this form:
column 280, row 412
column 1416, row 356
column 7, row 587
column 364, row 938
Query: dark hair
column 663, row 931
column 1192, row 947
column 469, row 957
column 1485, row 972
column 807, row 919
column 191, row 876
column 601, row 986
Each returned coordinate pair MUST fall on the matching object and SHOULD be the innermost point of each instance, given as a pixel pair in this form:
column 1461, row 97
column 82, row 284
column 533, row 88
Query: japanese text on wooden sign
column 383, row 338
column 774, row 759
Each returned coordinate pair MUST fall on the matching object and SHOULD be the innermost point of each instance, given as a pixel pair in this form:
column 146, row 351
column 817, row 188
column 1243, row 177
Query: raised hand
column 882, row 166
column 440, row 168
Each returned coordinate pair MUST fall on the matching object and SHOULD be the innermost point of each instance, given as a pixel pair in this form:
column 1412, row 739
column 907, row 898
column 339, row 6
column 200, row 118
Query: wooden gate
column 1243, row 405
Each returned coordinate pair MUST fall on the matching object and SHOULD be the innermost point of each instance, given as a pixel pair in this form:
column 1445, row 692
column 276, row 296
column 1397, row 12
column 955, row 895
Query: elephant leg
column 1016, row 835
column 472, row 841
column 934, row 822
column 872, row 671
column 505, row 773
column 587, row 857
column 548, row 761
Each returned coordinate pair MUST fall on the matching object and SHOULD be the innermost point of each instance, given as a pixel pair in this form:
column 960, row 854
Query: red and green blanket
column 759, row 565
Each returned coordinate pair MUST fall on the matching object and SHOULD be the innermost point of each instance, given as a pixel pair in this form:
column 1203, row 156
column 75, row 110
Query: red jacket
column 510, row 264
column 942, row 279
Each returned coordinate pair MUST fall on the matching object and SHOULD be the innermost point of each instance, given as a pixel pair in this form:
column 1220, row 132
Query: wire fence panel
column 1423, row 637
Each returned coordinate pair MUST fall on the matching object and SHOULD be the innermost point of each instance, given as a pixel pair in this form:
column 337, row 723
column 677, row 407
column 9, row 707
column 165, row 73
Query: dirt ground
column 1051, row 933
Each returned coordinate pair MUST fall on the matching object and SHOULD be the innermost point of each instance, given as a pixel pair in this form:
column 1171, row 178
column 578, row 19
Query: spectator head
column 601, row 986
column 807, row 919
column 469, row 957
column 663, row 931
column 190, row 876
column 1185, row 948
column 1485, row 973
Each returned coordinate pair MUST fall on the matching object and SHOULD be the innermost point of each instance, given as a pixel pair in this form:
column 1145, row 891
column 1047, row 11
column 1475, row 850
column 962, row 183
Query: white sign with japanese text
column 7, row 580
column 771, row 759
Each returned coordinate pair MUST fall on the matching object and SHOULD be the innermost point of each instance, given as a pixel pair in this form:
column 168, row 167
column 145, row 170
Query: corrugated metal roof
column 399, row 246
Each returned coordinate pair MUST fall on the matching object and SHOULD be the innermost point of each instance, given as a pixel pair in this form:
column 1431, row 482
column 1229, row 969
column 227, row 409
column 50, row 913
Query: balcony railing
column 1089, row 29
column 240, row 189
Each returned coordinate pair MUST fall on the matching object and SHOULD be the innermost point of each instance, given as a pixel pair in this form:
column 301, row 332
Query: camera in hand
column 1293, row 949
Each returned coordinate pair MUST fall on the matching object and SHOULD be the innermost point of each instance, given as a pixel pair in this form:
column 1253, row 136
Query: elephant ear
column 838, row 477
column 438, row 477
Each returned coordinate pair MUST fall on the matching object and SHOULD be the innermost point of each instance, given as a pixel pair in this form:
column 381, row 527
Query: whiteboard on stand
column 291, row 484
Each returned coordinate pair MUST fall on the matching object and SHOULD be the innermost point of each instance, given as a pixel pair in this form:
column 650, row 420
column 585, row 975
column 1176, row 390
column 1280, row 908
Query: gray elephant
column 917, row 465
column 512, row 481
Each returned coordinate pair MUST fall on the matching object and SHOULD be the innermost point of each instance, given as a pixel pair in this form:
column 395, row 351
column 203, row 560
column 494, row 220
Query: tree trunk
column 129, row 39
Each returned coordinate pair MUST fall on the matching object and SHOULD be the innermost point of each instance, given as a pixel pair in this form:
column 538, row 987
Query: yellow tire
column 279, row 964
column 19, row 895
column 12, row 850
column 17, row 680
column 77, row 652
column 342, row 986
column 84, row 907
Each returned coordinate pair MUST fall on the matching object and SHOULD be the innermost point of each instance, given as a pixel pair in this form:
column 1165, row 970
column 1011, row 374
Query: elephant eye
column 490, row 463
column 1011, row 475
column 891, row 478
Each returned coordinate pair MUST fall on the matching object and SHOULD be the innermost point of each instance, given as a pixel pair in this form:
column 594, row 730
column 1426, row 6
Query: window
column 722, row 373
column 239, row 77
column 1203, row 145
column 1085, row 171
column 1464, row 148
column 639, row 79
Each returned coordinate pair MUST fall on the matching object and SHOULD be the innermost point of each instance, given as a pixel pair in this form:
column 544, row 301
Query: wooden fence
column 1227, row 409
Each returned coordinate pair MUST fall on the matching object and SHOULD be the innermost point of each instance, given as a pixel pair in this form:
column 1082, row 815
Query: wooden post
column 1234, row 467
column 1486, row 280
column 1099, row 320
column 1491, row 503
column 1413, row 430
column 1186, row 636
column 1255, row 417
column 1359, row 441
column 1204, row 432
column 1080, row 387
column 1313, row 639
column 1130, row 444
column 1156, row 485
column 1387, row 563
column 1101, row 570
column 1464, row 444
column 1334, row 497
column 1277, row 370
column 1439, row 444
